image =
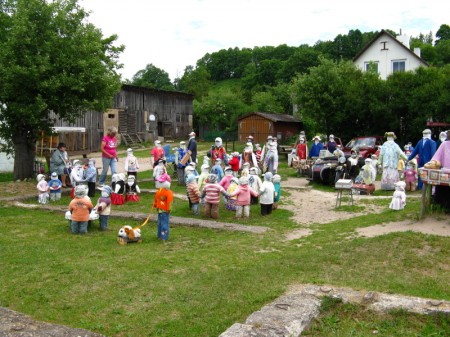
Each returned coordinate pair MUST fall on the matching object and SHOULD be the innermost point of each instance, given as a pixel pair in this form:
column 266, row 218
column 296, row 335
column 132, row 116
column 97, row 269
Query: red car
column 366, row 145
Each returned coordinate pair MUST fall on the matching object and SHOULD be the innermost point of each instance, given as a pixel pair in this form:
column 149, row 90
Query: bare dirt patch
column 427, row 226
column 317, row 207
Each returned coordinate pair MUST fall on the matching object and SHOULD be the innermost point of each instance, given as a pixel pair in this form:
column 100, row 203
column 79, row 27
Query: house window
column 398, row 65
column 371, row 67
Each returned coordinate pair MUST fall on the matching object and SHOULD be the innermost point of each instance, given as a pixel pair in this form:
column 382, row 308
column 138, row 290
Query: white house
column 387, row 54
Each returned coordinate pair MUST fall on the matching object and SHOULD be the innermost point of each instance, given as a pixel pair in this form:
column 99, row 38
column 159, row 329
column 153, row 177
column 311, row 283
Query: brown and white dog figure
column 128, row 234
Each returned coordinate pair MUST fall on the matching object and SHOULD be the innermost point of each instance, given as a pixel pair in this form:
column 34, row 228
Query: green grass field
column 202, row 281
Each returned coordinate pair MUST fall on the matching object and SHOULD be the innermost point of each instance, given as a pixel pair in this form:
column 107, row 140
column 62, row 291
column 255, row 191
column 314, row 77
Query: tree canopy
column 51, row 60
column 153, row 77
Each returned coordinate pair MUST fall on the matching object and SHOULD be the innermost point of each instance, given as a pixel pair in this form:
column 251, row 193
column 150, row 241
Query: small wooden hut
column 260, row 125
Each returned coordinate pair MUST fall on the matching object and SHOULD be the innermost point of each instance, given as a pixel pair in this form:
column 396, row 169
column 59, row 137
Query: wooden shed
column 260, row 125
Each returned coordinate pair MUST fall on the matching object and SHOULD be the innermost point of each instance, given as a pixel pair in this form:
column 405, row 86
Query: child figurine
column 42, row 188
column 76, row 176
column 276, row 179
column 131, row 164
column 90, row 177
column 410, row 176
column 258, row 152
column 179, row 155
column 267, row 194
column 158, row 170
column 80, row 207
column 211, row 193
column 132, row 190
column 255, row 182
column 399, row 198
column 230, row 203
column 117, row 195
column 367, row 173
column 194, row 169
column 55, row 187
column 163, row 203
column 217, row 169
column 352, row 165
column 103, row 207
column 225, row 182
column 245, row 172
column 203, row 176
column 193, row 193
column 234, row 163
column 243, row 194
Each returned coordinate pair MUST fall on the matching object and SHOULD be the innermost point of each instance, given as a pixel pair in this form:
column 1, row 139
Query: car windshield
column 364, row 142
column 351, row 143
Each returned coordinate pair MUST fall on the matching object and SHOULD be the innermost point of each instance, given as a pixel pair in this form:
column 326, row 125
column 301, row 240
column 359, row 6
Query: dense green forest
column 319, row 84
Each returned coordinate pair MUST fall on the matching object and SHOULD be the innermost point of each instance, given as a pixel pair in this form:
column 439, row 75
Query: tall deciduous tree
column 195, row 81
column 51, row 59
column 153, row 77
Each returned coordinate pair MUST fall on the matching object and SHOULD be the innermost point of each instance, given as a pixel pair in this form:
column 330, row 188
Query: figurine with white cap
column 398, row 201
column 425, row 149
column 80, row 208
column 316, row 147
column 267, row 194
column 118, row 193
column 132, row 190
column 55, row 187
column 131, row 163
column 103, row 207
column 192, row 148
column 179, row 154
column 158, row 152
column 42, row 187
column 218, row 152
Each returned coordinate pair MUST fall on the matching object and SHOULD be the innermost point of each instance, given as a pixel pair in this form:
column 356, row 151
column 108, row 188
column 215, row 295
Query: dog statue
column 128, row 234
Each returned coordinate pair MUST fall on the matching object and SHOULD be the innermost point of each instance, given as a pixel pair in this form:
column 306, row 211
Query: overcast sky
column 173, row 34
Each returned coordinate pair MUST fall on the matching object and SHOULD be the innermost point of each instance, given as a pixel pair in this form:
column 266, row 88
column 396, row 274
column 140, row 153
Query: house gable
column 387, row 53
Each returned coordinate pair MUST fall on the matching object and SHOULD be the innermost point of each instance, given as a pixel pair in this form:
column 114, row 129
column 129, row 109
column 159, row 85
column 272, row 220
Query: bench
column 284, row 149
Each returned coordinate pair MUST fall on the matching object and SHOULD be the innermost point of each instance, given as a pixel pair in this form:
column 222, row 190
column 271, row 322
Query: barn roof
column 156, row 91
column 274, row 117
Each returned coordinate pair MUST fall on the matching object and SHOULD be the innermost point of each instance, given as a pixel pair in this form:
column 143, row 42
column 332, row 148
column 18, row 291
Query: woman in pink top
column 109, row 154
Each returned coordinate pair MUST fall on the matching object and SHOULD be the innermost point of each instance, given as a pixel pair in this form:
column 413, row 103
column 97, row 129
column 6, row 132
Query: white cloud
column 173, row 34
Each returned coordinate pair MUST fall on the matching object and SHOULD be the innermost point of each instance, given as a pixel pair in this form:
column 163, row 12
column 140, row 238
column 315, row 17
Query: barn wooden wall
column 93, row 122
column 173, row 111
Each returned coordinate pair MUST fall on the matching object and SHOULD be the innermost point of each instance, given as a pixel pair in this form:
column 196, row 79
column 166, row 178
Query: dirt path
column 316, row 207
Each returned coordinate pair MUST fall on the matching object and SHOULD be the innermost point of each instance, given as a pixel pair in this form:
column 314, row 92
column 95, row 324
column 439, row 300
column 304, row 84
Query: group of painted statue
column 235, row 176
column 399, row 168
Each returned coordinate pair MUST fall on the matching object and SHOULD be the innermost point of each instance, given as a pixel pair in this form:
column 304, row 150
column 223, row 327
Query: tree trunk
column 24, row 155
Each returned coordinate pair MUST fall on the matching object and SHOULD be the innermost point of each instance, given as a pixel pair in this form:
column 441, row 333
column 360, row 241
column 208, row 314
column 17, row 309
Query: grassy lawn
column 202, row 281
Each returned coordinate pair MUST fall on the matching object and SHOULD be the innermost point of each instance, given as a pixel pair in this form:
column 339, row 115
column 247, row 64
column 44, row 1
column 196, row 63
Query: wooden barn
column 140, row 114
column 260, row 125
column 149, row 114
